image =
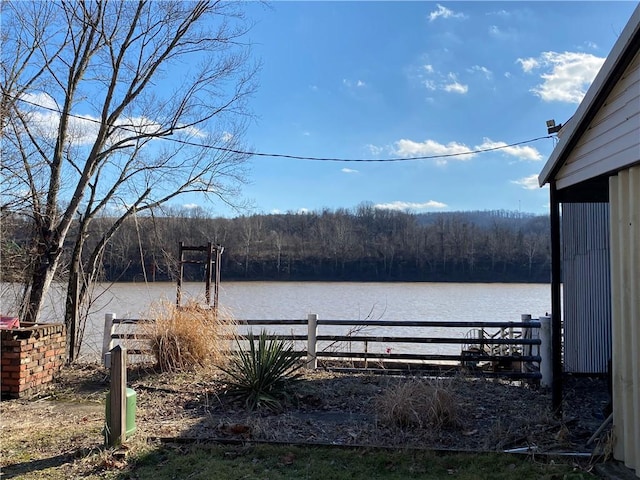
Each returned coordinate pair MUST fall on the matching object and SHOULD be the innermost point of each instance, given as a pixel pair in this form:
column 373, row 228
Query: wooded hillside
column 363, row 244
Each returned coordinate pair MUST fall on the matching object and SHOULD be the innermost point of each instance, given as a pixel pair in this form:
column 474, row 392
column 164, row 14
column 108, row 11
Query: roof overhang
column 621, row 55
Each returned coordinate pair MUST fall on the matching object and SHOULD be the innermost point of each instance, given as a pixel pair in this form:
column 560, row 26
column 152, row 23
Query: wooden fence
column 510, row 349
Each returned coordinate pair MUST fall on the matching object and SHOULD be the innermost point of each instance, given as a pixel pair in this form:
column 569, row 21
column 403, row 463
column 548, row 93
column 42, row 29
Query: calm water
column 347, row 301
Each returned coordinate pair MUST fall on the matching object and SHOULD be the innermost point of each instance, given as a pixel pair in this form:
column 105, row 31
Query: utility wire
column 299, row 157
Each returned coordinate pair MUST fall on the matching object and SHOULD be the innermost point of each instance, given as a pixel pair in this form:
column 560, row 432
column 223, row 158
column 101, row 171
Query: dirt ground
column 323, row 407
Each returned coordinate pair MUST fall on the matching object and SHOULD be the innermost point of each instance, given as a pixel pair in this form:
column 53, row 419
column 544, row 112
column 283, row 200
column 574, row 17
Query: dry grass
column 189, row 337
column 418, row 403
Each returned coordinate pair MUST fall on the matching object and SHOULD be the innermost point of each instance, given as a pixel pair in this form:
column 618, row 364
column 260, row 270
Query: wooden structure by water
column 211, row 262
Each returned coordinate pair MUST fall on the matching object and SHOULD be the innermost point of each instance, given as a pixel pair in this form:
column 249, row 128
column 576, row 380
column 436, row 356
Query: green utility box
column 130, row 411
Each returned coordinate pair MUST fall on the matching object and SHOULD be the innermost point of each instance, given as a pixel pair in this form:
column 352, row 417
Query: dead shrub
column 417, row 403
column 189, row 337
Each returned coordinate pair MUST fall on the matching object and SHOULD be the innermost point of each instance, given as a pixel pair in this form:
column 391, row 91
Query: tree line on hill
column 361, row 244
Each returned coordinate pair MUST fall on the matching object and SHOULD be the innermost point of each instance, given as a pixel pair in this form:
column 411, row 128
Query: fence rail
column 512, row 349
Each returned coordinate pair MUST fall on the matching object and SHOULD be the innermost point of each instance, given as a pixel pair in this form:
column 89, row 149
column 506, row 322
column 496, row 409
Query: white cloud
column 306, row 134
column 190, row 206
column 528, row 64
column 409, row 148
column 40, row 99
column 566, row 76
column 227, row 137
column 459, row 151
column 83, row 129
column 374, row 149
column 528, row 183
column 480, row 69
column 444, row 12
column 192, row 131
column 43, row 119
column 522, row 152
column 430, row 84
column 433, row 80
column 501, row 33
column 403, row 206
column 495, row 31
column 350, row 84
column 456, row 87
column 500, row 13
column 349, row 170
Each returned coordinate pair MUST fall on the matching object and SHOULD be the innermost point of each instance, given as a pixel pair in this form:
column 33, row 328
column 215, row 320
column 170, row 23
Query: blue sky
column 391, row 80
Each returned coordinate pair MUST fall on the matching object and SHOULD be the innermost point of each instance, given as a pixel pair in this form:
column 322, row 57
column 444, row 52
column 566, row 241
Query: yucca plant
column 261, row 371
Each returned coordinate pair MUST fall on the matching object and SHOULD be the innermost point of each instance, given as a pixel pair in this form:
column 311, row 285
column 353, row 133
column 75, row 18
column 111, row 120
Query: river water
column 295, row 300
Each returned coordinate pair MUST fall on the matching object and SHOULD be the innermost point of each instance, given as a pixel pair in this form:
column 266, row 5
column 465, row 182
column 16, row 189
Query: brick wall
column 31, row 356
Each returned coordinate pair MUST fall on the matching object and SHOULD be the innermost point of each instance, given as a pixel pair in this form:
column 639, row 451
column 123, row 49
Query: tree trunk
column 41, row 279
column 71, row 312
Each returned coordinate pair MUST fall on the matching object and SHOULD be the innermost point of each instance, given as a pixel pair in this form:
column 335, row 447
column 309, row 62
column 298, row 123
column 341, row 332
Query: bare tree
column 119, row 107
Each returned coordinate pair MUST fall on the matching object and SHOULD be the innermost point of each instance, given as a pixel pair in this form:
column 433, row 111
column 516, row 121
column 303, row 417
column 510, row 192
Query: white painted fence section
column 512, row 342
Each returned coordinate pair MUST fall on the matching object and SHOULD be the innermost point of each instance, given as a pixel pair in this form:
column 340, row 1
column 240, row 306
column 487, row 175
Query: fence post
column 312, row 333
column 117, row 426
column 106, row 339
column 366, row 352
column 511, row 347
column 526, row 333
column 546, row 358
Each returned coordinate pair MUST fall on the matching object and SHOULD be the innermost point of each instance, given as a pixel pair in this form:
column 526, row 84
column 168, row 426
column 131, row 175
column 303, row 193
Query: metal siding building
column 587, row 287
column 598, row 160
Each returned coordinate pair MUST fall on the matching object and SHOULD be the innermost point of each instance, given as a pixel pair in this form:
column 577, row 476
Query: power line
column 300, row 157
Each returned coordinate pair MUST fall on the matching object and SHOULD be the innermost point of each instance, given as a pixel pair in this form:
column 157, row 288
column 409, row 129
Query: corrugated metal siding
column 586, row 287
column 624, row 195
column 612, row 140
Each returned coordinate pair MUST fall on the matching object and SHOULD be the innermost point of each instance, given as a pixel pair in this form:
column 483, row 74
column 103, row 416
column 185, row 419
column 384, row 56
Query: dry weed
column 189, row 337
column 418, row 403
